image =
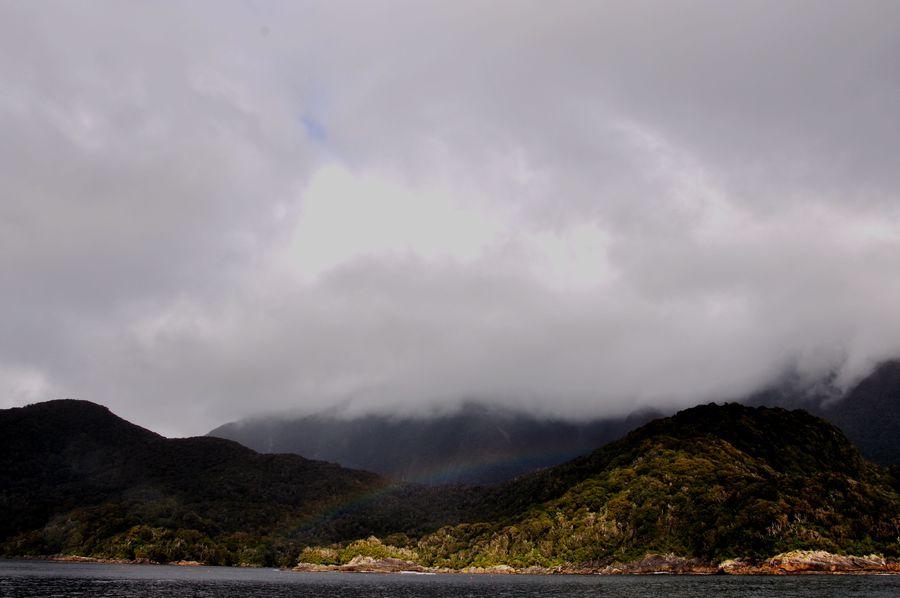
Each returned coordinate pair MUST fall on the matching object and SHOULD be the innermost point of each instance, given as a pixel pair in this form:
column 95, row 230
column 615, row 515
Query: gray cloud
column 209, row 210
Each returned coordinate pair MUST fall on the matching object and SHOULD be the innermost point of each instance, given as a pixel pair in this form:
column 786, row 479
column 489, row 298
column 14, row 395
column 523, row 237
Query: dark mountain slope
column 73, row 475
column 476, row 445
column 485, row 445
column 869, row 413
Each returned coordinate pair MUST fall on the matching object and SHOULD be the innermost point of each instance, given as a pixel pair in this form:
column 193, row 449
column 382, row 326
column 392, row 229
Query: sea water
column 47, row 578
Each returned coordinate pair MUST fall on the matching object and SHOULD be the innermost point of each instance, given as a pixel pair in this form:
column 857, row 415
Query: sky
column 210, row 210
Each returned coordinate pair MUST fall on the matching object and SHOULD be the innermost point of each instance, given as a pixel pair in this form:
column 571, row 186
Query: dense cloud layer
column 215, row 210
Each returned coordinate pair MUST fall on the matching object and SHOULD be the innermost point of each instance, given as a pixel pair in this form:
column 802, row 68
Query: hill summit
column 712, row 482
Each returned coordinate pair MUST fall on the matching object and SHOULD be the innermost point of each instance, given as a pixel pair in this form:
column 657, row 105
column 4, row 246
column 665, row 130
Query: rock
column 737, row 567
column 312, row 568
column 361, row 561
column 660, row 563
column 492, row 570
column 796, row 562
column 74, row 558
column 809, row 561
column 802, row 561
column 366, row 564
column 535, row 570
column 385, row 565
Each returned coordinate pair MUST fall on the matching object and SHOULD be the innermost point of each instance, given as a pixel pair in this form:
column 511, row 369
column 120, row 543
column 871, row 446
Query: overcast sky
column 215, row 209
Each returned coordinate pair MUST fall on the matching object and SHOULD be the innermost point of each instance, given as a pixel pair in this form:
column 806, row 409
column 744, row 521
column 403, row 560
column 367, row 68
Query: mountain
column 712, row 482
column 487, row 445
column 476, row 445
column 868, row 413
column 75, row 477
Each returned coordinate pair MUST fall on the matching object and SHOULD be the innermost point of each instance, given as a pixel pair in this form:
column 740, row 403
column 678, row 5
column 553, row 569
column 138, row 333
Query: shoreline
column 794, row 563
column 790, row 563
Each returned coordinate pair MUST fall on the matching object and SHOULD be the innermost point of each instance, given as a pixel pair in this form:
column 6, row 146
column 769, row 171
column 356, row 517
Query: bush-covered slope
column 710, row 482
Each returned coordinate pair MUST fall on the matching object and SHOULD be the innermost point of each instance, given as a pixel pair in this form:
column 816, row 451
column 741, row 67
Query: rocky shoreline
column 801, row 562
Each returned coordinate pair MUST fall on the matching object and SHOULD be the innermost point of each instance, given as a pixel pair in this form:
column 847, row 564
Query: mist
column 212, row 210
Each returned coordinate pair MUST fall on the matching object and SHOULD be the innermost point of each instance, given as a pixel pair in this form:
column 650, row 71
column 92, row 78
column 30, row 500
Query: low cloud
column 222, row 209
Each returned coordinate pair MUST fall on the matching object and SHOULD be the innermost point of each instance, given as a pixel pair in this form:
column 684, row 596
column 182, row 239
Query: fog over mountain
column 210, row 210
column 484, row 445
column 476, row 445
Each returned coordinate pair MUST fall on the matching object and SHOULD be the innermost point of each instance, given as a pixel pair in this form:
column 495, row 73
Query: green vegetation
column 341, row 555
column 712, row 482
column 699, row 499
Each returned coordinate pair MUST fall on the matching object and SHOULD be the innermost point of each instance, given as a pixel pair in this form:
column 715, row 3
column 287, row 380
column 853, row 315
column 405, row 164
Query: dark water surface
column 44, row 578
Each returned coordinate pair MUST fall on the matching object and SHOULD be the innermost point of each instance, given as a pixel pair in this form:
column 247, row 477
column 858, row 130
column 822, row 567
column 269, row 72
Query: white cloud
column 216, row 209
column 346, row 216
column 23, row 385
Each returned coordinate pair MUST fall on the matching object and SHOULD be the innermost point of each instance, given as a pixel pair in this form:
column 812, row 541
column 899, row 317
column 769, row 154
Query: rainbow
column 433, row 476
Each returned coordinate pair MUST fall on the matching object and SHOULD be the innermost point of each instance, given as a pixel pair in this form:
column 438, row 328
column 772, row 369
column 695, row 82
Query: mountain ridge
column 711, row 482
column 478, row 444
column 482, row 444
column 868, row 412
